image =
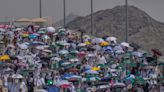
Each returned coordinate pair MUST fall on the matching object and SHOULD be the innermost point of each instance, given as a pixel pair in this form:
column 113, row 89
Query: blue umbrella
column 33, row 36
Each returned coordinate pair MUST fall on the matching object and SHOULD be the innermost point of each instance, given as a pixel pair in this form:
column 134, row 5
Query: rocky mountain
column 69, row 18
column 143, row 29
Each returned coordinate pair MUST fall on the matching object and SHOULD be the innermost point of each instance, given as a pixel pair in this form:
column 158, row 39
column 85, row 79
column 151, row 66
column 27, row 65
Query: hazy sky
column 30, row 8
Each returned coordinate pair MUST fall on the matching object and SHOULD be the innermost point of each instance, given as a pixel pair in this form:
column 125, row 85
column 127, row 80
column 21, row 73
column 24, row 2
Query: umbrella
column 96, row 68
column 63, row 52
column 87, row 43
column 86, row 37
column 33, row 36
column 18, row 29
column 97, row 40
column 46, row 37
column 41, row 47
column 81, row 44
column 125, row 44
column 40, row 90
column 23, row 46
column 51, row 29
column 74, row 60
column 48, row 51
column 156, row 52
column 104, row 43
column 5, row 57
column 42, row 31
column 91, row 79
column 109, row 39
column 2, row 30
column 91, row 72
column 74, row 51
column 62, row 43
column 117, row 84
column 25, row 35
column 66, row 63
column 17, row 76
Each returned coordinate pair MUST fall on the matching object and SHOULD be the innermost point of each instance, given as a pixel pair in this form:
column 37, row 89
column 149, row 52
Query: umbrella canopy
column 81, row 44
column 91, row 79
column 5, row 57
column 125, row 44
column 74, row 51
column 42, row 31
column 17, row 76
column 91, row 72
column 23, row 46
column 96, row 68
column 63, row 52
column 51, row 29
column 46, row 37
column 97, row 40
column 40, row 90
column 62, row 43
column 33, row 36
column 117, row 84
column 109, row 39
column 104, row 43
column 2, row 30
column 87, row 43
column 25, row 34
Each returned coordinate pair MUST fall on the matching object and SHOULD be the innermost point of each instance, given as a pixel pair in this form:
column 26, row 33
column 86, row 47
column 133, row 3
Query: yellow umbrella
column 96, row 68
column 104, row 43
column 5, row 57
column 87, row 43
column 25, row 35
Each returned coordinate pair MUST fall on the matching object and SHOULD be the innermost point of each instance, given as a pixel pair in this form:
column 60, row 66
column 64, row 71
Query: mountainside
column 143, row 30
column 69, row 18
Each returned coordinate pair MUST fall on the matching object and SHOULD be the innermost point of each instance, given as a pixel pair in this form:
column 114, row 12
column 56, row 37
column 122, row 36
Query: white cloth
column 23, row 86
column 102, row 60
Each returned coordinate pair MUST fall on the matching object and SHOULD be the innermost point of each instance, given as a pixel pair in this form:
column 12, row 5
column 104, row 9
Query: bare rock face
column 143, row 29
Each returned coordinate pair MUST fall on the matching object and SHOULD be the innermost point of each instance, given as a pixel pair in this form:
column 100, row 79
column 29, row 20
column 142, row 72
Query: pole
column 126, row 10
column 40, row 8
column 91, row 17
column 64, row 12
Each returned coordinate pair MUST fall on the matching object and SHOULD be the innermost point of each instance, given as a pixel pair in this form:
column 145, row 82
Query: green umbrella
column 41, row 32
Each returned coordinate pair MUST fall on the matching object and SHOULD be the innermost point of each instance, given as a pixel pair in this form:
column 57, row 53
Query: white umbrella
column 56, row 58
column 91, row 72
column 17, row 76
column 111, row 39
column 81, row 44
column 2, row 30
column 18, row 29
column 74, row 60
column 46, row 37
column 62, row 82
column 40, row 90
column 48, row 51
column 97, row 40
column 125, row 44
column 63, row 52
column 119, row 84
column 40, row 47
column 66, row 63
column 51, row 29
column 23, row 46
column 137, row 54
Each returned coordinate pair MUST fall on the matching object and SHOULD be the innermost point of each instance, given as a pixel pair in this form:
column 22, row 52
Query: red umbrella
column 73, row 70
column 65, row 86
column 81, row 54
column 156, row 52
